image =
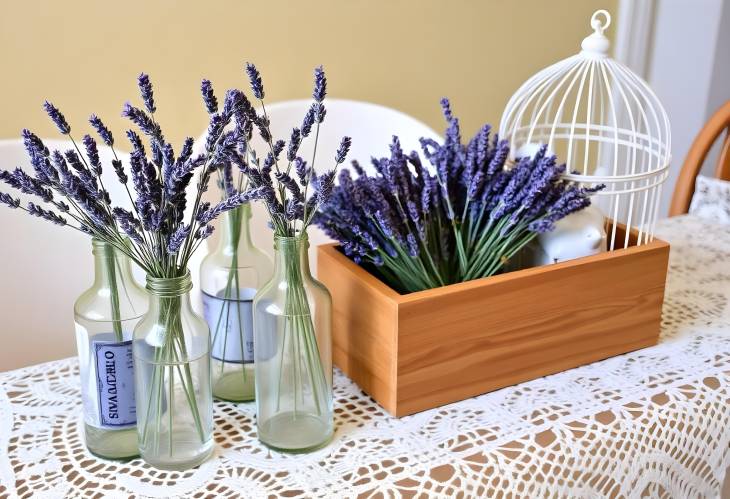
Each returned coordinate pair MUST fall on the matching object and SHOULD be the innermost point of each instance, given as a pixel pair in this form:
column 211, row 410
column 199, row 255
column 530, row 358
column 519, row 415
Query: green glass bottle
column 293, row 338
column 105, row 316
column 230, row 277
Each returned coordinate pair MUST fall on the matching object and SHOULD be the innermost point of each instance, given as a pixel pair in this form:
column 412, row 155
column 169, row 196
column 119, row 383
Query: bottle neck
column 235, row 231
column 291, row 256
column 169, row 290
column 111, row 267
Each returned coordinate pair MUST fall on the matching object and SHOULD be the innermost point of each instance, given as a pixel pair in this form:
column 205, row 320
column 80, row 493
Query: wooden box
column 421, row 350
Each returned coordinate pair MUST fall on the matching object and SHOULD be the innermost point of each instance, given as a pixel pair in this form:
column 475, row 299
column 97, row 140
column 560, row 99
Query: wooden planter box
column 421, row 350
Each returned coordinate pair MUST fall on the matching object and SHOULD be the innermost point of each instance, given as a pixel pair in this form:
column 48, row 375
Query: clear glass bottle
column 105, row 316
column 230, row 277
column 172, row 373
column 293, row 355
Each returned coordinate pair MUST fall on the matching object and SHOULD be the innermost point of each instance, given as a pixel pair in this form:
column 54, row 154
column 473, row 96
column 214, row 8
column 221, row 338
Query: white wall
column 689, row 69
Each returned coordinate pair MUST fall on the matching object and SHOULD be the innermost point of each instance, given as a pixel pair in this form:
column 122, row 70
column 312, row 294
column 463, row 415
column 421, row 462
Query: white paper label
column 231, row 326
column 114, row 383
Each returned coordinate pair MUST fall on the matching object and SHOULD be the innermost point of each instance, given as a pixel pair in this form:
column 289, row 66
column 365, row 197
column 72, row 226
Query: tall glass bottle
column 293, row 355
column 172, row 374
column 230, row 277
column 105, row 316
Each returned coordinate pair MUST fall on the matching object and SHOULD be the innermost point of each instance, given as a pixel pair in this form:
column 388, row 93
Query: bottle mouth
column 101, row 248
column 169, row 287
column 281, row 242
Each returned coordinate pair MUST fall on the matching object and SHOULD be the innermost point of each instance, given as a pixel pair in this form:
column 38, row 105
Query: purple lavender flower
column 294, row 142
column 177, row 238
column 211, row 103
column 38, row 154
column 102, row 130
column 28, row 185
column 290, row 185
column 300, row 166
column 324, row 186
column 482, row 145
column 232, row 102
column 228, row 186
column 262, row 123
column 358, row 169
column 500, row 156
column 309, row 119
column 204, row 232
column 186, row 151
column 255, row 78
column 319, row 112
column 343, row 150
column 92, row 153
column 412, row 244
column 145, row 89
column 57, row 117
column 415, row 217
column 136, row 141
column 142, row 120
column 33, row 144
column 88, row 180
column 294, row 210
column 446, row 109
column 320, row 84
column 129, row 224
column 9, row 200
column 215, row 129
column 37, row 211
column 231, row 203
column 384, row 224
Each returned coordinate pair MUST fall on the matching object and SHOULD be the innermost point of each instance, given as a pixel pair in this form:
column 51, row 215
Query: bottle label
column 114, row 364
column 231, row 325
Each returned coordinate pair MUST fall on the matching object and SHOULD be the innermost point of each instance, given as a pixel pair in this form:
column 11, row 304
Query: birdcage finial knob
column 596, row 44
column 596, row 23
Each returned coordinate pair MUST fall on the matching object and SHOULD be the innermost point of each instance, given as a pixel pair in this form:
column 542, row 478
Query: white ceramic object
column 579, row 234
column 592, row 110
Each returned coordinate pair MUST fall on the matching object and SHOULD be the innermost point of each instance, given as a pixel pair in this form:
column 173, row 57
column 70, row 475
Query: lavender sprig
column 9, row 200
column 57, row 117
column 257, row 87
column 320, row 84
column 145, row 89
column 211, row 103
column 48, row 215
column 102, row 130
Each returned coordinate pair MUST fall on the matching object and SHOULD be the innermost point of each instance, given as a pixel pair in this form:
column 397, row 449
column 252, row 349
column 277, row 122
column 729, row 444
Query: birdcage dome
column 606, row 123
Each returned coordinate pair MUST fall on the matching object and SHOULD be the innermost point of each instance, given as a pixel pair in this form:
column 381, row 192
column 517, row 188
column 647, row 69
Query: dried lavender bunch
column 421, row 230
column 289, row 186
column 156, row 233
column 159, row 234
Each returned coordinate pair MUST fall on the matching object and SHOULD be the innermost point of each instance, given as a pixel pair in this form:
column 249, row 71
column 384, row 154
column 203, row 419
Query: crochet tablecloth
column 655, row 423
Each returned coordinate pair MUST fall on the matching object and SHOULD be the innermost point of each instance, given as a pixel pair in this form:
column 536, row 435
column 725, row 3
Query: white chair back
column 371, row 127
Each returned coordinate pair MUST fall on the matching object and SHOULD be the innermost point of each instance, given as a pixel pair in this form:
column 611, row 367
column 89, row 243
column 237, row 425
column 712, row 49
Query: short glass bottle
column 172, row 373
column 105, row 317
column 293, row 355
column 230, row 277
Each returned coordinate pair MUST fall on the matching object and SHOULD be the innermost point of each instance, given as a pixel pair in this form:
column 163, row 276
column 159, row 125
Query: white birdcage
column 606, row 124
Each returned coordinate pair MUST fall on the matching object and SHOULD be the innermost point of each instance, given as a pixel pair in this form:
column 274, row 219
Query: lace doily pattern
column 655, row 423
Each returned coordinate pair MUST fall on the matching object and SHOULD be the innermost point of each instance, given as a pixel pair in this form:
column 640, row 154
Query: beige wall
column 84, row 55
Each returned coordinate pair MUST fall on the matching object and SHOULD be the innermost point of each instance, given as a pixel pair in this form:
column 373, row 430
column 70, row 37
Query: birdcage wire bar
column 608, row 126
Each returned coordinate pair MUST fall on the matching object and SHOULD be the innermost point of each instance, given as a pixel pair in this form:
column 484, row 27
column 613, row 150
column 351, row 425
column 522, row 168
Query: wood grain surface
column 421, row 350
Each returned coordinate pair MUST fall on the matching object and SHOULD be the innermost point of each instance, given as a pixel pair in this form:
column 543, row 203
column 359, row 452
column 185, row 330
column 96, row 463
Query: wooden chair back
column 702, row 144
